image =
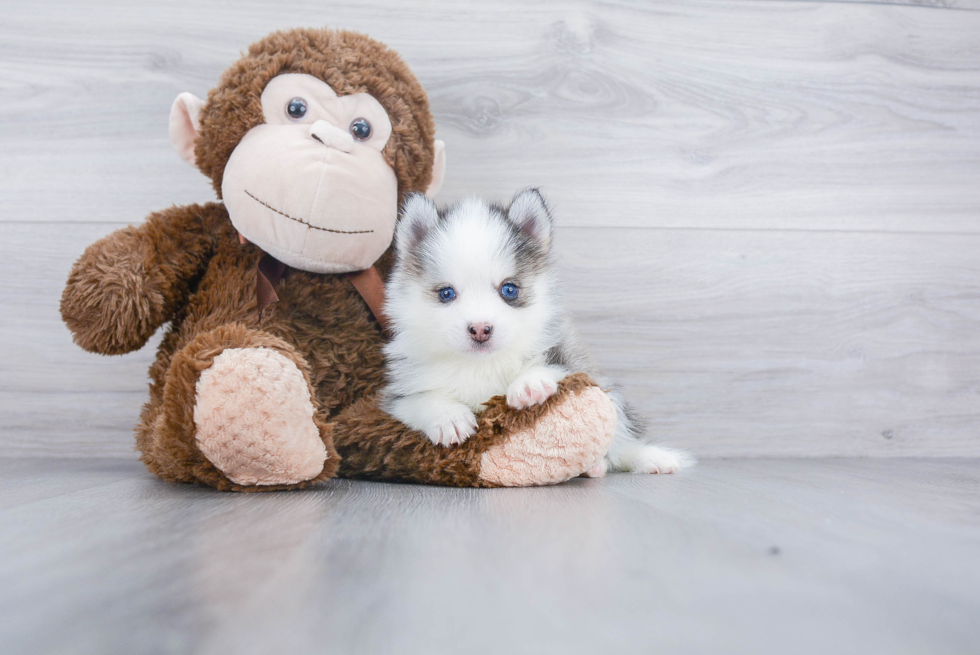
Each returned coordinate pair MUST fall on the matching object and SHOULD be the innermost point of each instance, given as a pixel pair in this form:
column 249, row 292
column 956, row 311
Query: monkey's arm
column 543, row 444
column 131, row 282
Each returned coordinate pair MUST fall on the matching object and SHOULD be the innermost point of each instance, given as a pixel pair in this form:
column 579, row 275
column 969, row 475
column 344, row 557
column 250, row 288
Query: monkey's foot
column 254, row 419
column 563, row 442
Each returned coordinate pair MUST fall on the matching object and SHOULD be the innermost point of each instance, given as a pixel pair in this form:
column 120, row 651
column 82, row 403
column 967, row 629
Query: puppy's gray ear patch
column 419, row 215
column 529, row 212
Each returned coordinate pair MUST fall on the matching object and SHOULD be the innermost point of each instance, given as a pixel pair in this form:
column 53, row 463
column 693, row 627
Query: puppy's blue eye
column 509, row 291
column 446, row 294
column 296, row 108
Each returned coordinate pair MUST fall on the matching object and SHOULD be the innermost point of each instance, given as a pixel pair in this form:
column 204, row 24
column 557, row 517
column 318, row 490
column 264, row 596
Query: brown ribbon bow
column 267, row 275
column 368, row 284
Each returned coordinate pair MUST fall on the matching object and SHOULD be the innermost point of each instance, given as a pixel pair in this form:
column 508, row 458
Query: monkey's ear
column 530, row 214
column 438, row 170
column 419, row 215
column 185, row 124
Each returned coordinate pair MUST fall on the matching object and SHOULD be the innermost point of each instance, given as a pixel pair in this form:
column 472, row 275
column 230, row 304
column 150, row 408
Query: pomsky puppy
column 476, row 308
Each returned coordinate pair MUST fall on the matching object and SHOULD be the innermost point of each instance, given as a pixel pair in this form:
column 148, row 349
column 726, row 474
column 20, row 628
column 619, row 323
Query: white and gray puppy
column 476, row 308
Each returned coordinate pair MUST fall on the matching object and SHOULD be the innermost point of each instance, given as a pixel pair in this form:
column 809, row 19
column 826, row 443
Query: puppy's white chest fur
column 473, row 382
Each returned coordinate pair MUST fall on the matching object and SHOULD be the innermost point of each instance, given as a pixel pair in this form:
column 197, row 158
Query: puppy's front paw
column 453, row 427
column 532, row 388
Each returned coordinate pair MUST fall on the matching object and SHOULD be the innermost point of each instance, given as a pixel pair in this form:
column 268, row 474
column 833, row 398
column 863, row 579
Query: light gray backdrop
column 769, row 211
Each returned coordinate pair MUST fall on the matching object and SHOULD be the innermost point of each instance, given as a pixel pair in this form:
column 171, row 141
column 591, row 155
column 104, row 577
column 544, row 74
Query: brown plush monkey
column 266, row 376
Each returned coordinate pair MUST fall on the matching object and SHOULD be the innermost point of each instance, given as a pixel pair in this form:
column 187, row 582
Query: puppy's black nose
column 480, row 332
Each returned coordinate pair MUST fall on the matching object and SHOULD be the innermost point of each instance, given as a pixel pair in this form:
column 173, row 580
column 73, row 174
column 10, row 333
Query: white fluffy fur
column 438, row 377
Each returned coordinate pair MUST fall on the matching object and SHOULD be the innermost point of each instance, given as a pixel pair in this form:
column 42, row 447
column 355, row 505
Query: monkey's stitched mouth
column 300, row 220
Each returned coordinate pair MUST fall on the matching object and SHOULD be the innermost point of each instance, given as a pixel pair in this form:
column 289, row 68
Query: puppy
column 476, row 309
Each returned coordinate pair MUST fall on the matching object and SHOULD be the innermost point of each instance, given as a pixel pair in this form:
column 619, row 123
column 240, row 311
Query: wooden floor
column 735, row 556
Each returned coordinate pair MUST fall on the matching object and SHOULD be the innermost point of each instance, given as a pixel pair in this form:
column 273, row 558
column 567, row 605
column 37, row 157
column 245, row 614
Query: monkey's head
column 310, row 140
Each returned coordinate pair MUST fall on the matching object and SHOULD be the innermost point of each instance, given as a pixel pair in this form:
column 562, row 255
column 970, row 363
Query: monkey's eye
column 509, row 291
column 296, row 108
column 447, row 294
column 360, row 129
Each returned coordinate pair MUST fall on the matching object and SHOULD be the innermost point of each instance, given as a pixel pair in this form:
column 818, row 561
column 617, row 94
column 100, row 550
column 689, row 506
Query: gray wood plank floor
column 736, row 556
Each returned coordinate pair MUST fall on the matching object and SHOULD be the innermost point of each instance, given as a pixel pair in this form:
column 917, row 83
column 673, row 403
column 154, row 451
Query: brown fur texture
column 128, row 284
column 185, row 266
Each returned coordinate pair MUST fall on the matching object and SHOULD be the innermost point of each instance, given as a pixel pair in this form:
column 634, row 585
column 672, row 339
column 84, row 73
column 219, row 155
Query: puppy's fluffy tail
column 631, row 452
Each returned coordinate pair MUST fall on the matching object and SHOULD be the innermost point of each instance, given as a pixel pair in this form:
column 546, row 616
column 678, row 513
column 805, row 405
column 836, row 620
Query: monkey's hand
column 129, row 283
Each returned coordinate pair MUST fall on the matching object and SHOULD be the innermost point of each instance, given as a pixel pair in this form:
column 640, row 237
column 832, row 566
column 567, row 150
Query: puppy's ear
column 419, row 215
column 530, row 214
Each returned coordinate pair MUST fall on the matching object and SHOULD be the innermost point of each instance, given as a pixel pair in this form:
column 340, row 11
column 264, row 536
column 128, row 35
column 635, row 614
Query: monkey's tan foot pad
column 566, row 440
column 254, row 419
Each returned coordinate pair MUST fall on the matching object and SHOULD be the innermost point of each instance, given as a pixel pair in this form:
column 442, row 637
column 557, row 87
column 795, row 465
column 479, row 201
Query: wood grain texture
column 739, row 556
column 730, row 342
column 738, row 114
column 769, row 211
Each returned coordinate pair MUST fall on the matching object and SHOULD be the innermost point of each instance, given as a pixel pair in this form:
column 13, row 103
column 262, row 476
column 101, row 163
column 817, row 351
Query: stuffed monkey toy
column 267, row 375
